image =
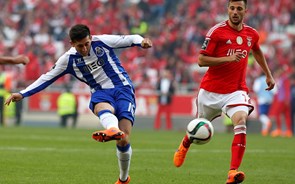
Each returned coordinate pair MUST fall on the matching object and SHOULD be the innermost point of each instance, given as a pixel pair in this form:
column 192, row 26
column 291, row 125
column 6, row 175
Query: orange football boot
column 266, row 130
column 108, row 135
column 288, row 133
column 276, row 133
column 179, row 155
column 235, row 177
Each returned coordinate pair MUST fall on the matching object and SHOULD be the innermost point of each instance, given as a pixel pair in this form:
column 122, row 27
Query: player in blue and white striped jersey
column 92, row 60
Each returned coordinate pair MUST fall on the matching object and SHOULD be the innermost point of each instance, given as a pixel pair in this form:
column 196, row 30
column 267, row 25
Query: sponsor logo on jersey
column 232, row 51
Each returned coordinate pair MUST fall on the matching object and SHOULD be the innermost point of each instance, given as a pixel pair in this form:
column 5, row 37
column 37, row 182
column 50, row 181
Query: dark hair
column 78, row 32
column 245, row 1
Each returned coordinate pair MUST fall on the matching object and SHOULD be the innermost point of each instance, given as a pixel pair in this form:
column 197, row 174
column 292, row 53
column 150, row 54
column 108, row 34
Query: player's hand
column 146, row 43
column 21, row 59
column 14, row 97
column 236, row 57
column 270, row 83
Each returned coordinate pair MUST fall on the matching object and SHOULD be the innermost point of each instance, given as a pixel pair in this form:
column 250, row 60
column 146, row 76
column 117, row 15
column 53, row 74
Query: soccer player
column 20, row 59
column 92, row 60
column 264, row 99
column 223, row 88
column 281, row 105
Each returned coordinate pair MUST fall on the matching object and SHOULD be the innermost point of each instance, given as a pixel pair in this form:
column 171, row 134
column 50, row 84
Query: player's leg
column 238, row 116
column 109, row 121
column 264, row 119
column 237, row 107
column 288, row 121
column 168, row 117
column 115, row 109
column 125, row 103
column 102, row 104
column 293, row 112
column 204, row 111
column 157, row 121
column 275, row 113
column 180, row 154
column 124, row 151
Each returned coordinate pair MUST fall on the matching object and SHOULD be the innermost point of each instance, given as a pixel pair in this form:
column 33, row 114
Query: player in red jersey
column 223, row 88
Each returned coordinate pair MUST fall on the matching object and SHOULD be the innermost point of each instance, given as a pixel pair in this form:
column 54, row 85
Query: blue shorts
column 264, row 109
column 122, row 99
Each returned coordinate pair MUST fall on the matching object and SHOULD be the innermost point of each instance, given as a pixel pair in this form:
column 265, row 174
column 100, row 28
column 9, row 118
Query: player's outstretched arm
column 20, row 59
column 14, row 97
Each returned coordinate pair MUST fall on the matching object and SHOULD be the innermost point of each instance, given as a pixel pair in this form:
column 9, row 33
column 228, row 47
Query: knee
column 239, row 118
column 242, row 121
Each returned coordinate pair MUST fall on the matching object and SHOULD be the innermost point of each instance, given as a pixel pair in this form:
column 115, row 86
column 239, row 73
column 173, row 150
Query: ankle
column 186, row 142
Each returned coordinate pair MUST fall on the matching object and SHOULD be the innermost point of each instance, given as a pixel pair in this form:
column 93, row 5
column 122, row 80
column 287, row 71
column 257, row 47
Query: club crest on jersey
column 239, row 40
column 249, row 39
column 205, row 44
column 99, row 51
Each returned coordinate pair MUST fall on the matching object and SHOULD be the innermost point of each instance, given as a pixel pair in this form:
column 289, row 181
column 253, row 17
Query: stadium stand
column 39, row 29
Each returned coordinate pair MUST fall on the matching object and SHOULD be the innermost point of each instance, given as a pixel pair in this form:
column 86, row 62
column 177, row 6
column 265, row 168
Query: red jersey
column 221, row 41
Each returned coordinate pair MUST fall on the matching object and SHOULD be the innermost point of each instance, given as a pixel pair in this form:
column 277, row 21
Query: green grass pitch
column 39, row 155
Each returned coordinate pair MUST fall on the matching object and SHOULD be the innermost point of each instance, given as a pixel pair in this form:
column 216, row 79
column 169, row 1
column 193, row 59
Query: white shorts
column 211, row 105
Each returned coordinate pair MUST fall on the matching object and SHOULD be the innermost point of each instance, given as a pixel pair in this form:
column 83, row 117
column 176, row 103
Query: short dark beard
column 235, row 23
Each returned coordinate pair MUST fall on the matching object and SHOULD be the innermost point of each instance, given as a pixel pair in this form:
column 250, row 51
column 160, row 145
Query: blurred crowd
column 39, row 29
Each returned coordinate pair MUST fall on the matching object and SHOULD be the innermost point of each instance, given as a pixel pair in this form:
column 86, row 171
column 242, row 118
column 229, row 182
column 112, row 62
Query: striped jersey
column 101, row 69
column 222, row 41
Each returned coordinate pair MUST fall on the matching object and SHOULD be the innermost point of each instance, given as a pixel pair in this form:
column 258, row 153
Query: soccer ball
column 199, row 131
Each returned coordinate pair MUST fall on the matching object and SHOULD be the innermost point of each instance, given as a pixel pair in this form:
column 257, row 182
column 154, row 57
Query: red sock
column 238, row 146
column 186, row 142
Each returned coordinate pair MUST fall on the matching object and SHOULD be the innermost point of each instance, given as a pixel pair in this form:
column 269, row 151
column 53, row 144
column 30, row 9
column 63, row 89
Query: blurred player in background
column 223, row 88
column 264, row 99
column 292, row 83
column 281, row 106
column 92, row 60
